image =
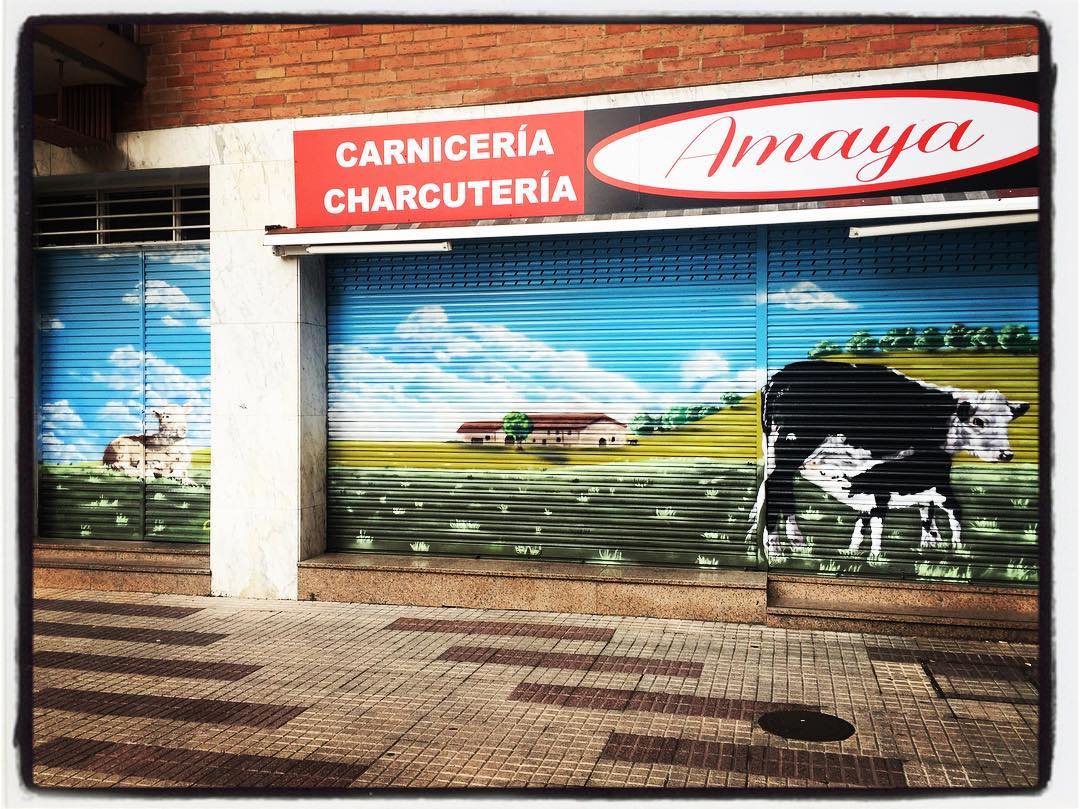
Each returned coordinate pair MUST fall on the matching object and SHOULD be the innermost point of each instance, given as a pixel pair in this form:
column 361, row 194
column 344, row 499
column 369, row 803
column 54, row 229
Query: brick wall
column 199, row 74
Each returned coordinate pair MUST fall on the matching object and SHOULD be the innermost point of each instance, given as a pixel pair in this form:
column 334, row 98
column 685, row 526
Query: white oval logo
column 820, row 145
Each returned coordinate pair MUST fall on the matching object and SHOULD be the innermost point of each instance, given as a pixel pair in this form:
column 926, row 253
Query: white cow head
column 980, row 424
column 172, row 420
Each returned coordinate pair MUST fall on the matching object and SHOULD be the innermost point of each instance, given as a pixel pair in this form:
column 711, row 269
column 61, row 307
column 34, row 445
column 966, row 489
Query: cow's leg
column 877, row 524
column 857, row 534
column 779, row 503
column 789, row 451
column 794, row 533
column 931, row 536
column 952, row 511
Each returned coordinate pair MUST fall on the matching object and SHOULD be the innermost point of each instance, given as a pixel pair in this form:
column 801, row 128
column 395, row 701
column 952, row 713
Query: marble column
column 268, row 377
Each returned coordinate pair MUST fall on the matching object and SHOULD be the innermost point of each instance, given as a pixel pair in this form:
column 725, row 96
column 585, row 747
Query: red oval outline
column 804, row 99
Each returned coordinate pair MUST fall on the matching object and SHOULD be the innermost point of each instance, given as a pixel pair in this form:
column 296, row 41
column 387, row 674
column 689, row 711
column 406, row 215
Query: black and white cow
column 873, row 439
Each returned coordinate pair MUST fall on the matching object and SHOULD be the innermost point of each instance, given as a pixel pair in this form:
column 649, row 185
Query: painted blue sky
column 90, row 342
column 418, row 364
column 408, row 365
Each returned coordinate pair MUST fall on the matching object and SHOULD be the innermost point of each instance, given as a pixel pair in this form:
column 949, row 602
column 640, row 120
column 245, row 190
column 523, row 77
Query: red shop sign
column 484, row 168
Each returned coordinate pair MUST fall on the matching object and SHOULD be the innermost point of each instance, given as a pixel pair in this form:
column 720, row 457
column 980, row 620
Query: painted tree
column 862, row 342
column 675, row 416
column 958, row 337
column 984, row 339
column 517, row 425
column 900, row 339
column 1017, row 338
column 644, row 424
column 930, row 339
column 822, row 349
column 696, row 412
column 731, row 399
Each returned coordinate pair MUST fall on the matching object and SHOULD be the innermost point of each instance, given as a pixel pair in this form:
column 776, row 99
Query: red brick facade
column 201, row 74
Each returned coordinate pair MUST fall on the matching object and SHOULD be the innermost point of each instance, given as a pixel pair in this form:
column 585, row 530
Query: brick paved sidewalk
column 138, row 690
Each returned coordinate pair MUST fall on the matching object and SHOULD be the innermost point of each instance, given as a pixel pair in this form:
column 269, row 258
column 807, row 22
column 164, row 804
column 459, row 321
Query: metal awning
column 296, row 241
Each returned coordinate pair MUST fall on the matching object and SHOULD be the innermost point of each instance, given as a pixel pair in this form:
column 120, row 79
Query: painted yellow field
column 730, row 435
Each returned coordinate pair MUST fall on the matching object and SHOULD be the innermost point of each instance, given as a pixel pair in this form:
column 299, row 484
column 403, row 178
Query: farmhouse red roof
column 543, row 421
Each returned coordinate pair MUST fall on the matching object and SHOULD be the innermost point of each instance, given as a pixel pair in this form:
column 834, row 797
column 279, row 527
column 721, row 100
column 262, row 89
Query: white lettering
column 454, row 148
column 358, row 200
column 541, row 143
column 394, row 152
column 334, row 207
column 370, row 155
column 479, row 146
column 502, row 145
column 343, row 161
column 500, row 192
column 564, row 189
column 428, row 198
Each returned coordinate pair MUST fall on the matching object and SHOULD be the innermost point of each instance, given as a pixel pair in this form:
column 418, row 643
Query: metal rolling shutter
column 121, row 332
column 420, row 344
column 826, row 288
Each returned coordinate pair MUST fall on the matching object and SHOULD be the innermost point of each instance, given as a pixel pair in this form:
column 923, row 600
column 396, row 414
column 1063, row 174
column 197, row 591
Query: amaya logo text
column 820, row 145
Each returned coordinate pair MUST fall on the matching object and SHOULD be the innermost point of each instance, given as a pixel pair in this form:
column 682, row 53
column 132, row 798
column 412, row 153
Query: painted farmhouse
column 562, row 429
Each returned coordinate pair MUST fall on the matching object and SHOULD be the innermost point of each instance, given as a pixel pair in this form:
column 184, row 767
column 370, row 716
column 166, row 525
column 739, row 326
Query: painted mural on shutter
column 587, row 399
column 123, row 422
column 469, row 394
column 945, row 471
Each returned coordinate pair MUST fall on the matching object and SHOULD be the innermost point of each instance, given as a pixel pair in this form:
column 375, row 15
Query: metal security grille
column 175, row 213
column 588, row 399
column 953, row 310
column 123, row 419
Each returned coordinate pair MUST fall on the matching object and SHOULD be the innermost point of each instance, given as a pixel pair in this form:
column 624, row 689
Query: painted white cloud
column 807, row 295
column 166, row 384
column 705, row 365
column 436, row 373
column 60, row 430
column 123, row 417
column 708, row 376
column 169, row 320
column 163, row 294
column 51, row 324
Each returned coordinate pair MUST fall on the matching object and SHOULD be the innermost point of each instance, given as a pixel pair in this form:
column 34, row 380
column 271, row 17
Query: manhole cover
column 807, row 726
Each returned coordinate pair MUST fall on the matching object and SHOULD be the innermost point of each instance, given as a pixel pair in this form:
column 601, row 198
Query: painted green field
column 88, row 501
column 689, row 514
column 999, row 524
column 671, row 512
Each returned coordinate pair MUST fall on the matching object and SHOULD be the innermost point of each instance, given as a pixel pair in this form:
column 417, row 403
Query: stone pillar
column 267, row 356
column 312, row 407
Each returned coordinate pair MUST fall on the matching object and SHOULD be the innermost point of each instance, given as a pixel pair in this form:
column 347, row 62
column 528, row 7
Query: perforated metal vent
column 174, row 213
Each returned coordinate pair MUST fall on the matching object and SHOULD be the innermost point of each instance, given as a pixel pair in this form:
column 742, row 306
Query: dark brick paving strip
column 210, row 711
column 1017, row 691
column 567, row 660
column 778, row 762
column 134, row 634
column 113, row 608
column 149, row 666
column 198, row 767
column 977, row 671
column 888, row 654
column 533, row 630
column 649, row 701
